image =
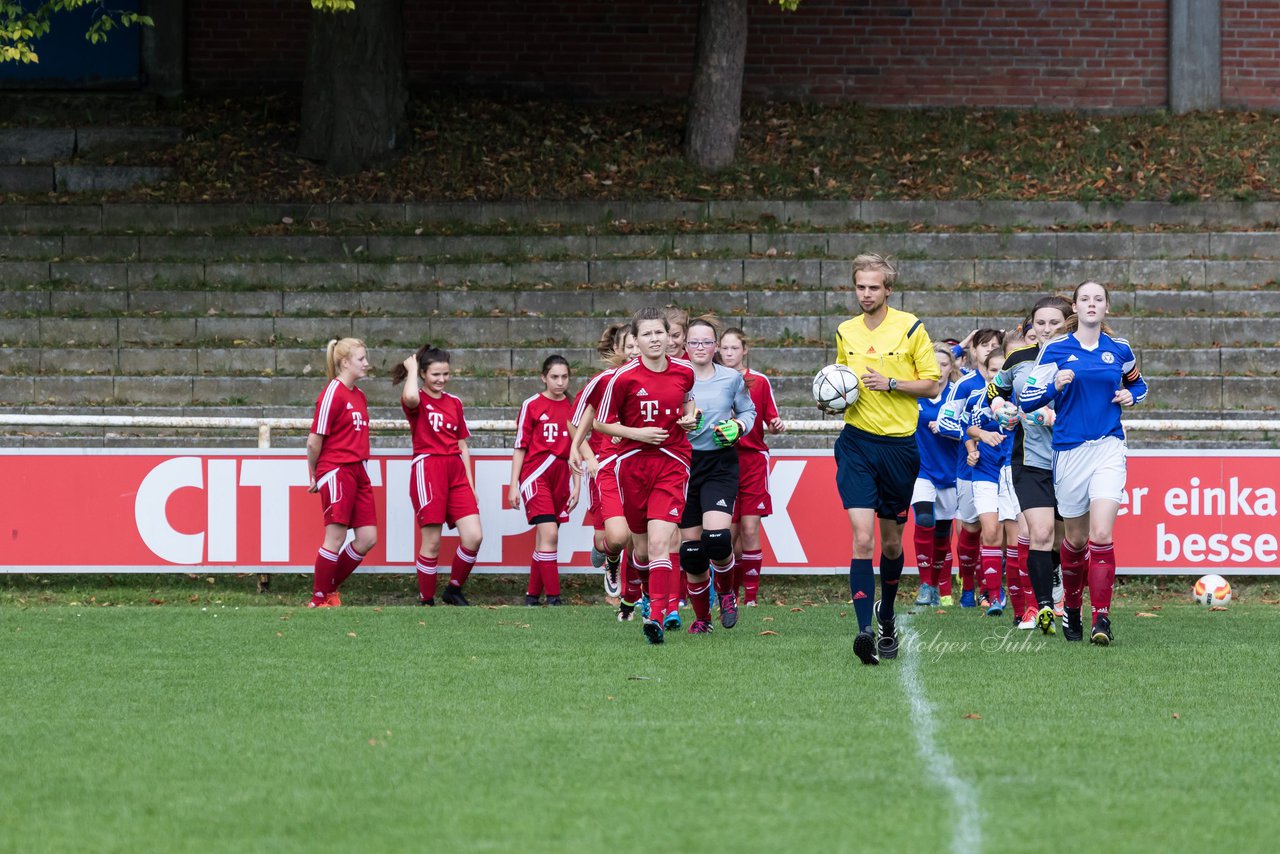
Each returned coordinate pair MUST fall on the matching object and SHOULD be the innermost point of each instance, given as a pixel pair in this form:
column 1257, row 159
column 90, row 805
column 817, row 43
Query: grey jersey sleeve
column 722, row 396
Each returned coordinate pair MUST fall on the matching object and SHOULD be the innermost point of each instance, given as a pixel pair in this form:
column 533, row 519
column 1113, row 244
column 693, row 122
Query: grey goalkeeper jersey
column 722, row 396
column 1032, row 444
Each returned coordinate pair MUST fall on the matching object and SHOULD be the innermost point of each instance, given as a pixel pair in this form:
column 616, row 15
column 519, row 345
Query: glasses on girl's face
column 700, row 345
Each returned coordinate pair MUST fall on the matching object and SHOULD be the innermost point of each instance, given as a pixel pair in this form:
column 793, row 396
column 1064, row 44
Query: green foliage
column 20, row 28
column 787, row 5
column 334, row 5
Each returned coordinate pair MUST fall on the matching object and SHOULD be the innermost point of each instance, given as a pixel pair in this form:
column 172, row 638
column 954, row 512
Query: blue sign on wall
column 69, row 60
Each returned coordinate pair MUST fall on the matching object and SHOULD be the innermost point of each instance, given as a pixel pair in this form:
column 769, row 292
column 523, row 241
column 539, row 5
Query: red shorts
column 753, row 485
column 440, row 491
column 651, row 486
column 545, row 492
column 609, row 505
column 347, row 496
column 593, row 495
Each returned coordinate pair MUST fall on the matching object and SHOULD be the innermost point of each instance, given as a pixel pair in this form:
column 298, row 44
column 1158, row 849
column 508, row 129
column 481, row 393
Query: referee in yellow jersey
column 876, row 457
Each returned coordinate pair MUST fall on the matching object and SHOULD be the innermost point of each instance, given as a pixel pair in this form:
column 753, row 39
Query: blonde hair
column 674, row 315
column 338, row 349
column 945, row 350
column 878, row 263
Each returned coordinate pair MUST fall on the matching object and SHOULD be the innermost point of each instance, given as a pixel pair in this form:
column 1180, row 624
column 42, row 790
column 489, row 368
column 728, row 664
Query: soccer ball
column 1212, row 590
column 835, row 388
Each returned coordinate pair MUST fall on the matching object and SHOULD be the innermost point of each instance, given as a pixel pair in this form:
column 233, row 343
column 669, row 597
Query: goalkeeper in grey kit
column 726, row 414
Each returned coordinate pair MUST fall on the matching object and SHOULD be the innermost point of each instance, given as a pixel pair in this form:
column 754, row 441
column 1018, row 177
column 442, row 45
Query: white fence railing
column 265, row 426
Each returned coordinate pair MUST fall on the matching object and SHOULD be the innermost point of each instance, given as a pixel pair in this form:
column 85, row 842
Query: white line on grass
column 967, row 817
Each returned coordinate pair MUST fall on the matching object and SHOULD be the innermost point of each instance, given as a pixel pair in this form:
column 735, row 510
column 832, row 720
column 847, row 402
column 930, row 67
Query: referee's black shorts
column 713, row 485
column 876, row 472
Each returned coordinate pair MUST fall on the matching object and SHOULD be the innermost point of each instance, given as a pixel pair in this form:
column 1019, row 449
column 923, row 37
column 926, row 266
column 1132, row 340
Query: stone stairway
column 224, row 310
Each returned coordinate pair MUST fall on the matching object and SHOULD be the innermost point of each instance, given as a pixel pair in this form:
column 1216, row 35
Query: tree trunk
column 715, row 98
column 355, row 92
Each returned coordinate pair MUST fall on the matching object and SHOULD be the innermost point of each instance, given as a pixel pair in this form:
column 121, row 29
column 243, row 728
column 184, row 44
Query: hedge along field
column 231, row 727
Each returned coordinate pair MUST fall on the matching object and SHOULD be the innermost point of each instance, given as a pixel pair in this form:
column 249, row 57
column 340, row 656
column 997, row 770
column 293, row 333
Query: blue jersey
column 990, row 460
column 951, row 420
column 937, row 452
column 1084, row 408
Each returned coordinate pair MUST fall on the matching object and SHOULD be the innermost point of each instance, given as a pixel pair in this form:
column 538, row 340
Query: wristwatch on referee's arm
column 893, row 384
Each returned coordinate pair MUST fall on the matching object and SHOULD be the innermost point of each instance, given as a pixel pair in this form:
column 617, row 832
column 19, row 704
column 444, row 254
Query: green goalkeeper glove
column 727, row 432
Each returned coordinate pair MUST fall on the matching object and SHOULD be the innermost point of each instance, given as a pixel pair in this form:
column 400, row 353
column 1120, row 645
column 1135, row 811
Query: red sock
column 991, row 557
column 1013, row 573
column 535, row 575
column 426, row 567
column 924, row 541
column 463, row 560
column 1073, row 574
column 968, row 549
column 326, row 568
column 632, row 591
column 700, row 598
column 684, row 582
column 942, row 559
column 1102, row 578
column 348, row 560
column 549, row 565
column 1024, row 574
column 660, row 576
column 750, row 565
column 723, row 576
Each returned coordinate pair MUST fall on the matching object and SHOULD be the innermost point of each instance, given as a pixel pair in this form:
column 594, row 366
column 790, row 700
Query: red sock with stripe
column 723, row 577
column 1102, row 578
column 535, row 575
column 924, row 542
column 632, row 589
column 426, row 567
column 1013, row 573
column 942, row 560
column 750, row 566
column 700, row 598
column 348, row 560
column 1073, row 574
column 326, row 568
column 992, row 557
column 660, row 576
column 549, row 564
column 968, row 551
column 463, row 560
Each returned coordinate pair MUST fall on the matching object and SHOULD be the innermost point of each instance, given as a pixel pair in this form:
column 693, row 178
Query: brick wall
column 1250, row 58
column 1094, row 54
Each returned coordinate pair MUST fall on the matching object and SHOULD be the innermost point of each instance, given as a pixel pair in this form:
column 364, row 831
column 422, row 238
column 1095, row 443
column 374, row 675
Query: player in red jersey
column 440, row 484
column 648, row 406
column 616, row 347
column 337, row 450
column 540, row 475
column 754, row 501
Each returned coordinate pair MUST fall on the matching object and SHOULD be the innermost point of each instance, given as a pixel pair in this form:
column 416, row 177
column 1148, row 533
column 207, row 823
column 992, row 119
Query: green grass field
column 222, row 725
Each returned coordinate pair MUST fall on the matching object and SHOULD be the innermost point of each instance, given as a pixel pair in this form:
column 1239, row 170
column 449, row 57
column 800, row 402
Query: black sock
column 1040, row 568
column 890, row 572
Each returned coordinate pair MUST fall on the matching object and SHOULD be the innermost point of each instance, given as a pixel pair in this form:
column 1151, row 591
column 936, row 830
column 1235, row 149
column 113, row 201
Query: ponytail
column 425, row 355
column 336, row 350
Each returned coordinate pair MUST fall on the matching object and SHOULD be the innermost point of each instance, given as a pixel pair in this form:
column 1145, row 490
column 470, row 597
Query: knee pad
column 924, row 514
column 693, row 558
column 942, row 530
column 718, row 544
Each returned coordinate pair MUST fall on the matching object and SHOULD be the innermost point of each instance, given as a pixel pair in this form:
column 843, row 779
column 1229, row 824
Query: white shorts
column 1084, row 474
column 1008, row 504
column 966, row 510
column 986, row 497
column 943, row 500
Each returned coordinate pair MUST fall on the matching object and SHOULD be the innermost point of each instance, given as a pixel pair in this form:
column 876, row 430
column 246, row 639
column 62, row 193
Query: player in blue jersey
column 934, row 497
column 987, row 441
column 968, row 541
column 1089, row 376
column 727, row 414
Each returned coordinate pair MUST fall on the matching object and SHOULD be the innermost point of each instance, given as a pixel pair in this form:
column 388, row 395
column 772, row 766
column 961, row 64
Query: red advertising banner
column 96, row 510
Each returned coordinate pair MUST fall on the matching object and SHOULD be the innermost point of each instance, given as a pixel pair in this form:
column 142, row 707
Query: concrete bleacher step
column 80, row 159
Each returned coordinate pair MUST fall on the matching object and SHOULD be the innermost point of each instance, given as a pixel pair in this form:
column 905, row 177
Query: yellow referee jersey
column 898, row 348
